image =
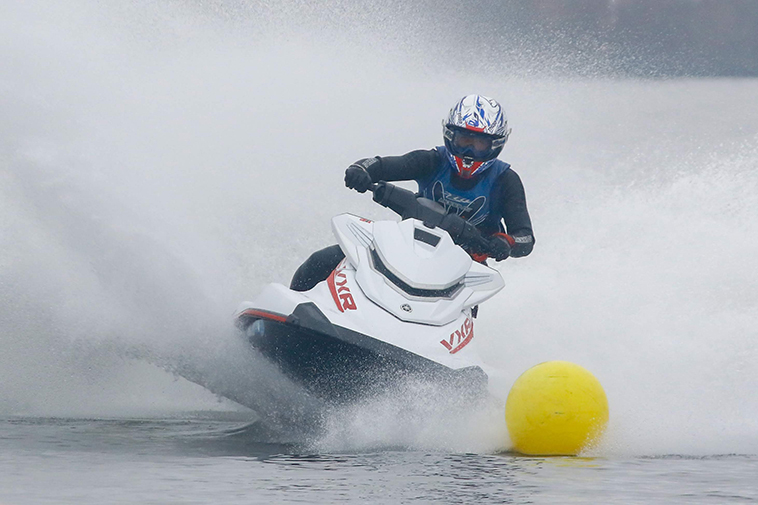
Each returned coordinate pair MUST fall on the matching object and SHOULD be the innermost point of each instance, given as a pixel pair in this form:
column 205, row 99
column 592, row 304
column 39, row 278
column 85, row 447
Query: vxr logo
column 459, row 338
column 337, row 282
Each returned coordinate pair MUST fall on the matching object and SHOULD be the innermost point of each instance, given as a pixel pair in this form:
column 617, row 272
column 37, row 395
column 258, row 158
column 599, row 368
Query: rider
column 464, row 176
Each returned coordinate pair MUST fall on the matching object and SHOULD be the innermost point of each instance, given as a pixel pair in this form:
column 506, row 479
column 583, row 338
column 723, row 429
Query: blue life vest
column 472, row 204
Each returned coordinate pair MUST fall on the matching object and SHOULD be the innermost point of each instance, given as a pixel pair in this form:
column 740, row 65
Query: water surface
column 217, row 458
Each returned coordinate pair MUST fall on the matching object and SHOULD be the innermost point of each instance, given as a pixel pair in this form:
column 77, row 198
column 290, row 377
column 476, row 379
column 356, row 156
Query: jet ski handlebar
column 410, row 205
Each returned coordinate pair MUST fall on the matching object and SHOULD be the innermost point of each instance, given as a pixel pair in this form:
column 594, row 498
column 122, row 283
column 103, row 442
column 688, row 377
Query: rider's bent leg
column 316, row 268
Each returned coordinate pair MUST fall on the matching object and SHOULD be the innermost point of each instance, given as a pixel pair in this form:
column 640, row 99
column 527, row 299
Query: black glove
column 500, row 246
column 357, row 176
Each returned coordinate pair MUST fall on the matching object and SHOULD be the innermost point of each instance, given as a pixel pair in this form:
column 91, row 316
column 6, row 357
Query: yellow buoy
column 555, row 408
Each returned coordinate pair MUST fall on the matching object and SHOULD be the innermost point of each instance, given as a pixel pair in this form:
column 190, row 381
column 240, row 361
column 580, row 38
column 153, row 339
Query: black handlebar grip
column 381, row 192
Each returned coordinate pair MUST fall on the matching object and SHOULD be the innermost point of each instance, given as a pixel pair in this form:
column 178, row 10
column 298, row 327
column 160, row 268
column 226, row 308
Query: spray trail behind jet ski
column 119, row 290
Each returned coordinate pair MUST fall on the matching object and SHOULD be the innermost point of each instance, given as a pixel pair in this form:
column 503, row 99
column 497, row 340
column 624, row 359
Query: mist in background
column 640, row 38
column 161, row 162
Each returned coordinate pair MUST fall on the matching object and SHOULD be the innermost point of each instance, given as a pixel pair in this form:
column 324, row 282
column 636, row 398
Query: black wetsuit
column 499, row 186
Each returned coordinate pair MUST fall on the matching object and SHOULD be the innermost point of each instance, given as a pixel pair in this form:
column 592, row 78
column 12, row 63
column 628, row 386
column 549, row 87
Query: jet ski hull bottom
column 342, row 366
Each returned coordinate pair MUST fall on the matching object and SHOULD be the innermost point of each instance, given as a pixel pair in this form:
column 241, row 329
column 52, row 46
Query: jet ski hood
column 416, row 273
column 436, row 263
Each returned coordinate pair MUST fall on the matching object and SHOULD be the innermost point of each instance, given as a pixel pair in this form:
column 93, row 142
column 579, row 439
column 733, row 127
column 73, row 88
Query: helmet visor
column 475, row 145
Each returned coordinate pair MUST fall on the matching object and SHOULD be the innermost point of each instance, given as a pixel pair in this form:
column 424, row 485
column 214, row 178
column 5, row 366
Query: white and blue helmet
column 475, row 131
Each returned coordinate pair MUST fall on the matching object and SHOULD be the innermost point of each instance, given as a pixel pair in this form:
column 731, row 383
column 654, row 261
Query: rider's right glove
column 357, row 176
column 500, row 246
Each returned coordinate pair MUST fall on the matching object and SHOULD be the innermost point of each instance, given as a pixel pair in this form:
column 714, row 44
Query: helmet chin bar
column 468, row 162
column 467, row 167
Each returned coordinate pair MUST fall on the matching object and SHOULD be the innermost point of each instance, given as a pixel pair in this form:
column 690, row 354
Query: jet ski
column 401, row 305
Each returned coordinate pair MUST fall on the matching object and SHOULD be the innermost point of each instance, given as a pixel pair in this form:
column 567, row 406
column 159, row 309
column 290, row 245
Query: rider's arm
column 412, row 166
column 513, row 209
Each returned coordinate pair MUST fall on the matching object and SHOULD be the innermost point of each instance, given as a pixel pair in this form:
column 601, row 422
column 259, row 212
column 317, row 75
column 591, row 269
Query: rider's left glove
column 357, row 176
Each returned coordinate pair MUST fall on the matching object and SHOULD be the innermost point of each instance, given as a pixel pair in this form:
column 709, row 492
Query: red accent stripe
column 264, row 314
column 507, row 238
column 333, row 288
column 479, row 258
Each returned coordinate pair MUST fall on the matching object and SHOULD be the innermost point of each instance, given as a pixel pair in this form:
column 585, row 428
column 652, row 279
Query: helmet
column 475, row 132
